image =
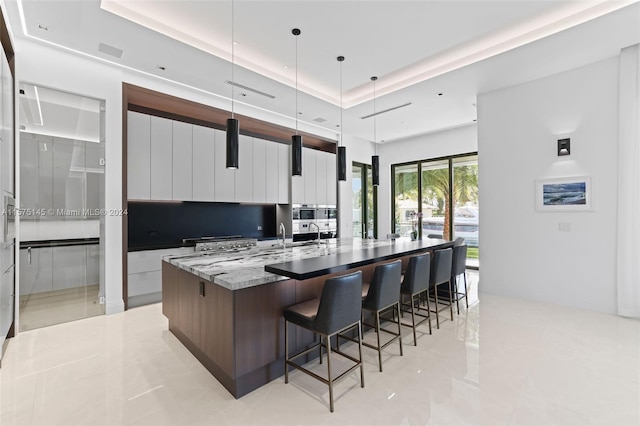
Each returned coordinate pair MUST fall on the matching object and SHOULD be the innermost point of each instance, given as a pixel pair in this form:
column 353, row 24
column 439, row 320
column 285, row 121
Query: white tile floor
column 58, row 306
column 505, row 361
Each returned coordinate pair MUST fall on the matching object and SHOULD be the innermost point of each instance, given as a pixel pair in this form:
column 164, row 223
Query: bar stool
column 416, row 282
column 381, row 295
column 337, row 310
column 458, row 241
column 441, row 274
column 459, row 267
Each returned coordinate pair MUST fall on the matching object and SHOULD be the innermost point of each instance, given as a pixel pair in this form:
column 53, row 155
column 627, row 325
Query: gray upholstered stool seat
column 303, row 314
column 441, row 275
column 415, row 282
column 337, row 310
column 365, row 289
column 381, row 295
column 459, row 267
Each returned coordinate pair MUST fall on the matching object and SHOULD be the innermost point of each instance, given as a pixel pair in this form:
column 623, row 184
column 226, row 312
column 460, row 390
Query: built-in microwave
column 327, row 213
column 304, row 213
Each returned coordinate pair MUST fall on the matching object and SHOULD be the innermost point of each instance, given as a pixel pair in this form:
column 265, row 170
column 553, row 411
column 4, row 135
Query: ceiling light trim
column 386, row 110
column 573, row 14
column 251, row 89
column 322, row 131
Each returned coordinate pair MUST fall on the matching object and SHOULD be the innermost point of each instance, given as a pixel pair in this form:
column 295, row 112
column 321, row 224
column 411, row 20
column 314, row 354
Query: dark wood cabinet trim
column 147, row 101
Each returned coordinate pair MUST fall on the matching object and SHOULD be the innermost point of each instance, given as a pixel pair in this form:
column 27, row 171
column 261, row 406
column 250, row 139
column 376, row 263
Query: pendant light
column 375, row 159
column 296, row 140
column 342, row 151
column 233, row 126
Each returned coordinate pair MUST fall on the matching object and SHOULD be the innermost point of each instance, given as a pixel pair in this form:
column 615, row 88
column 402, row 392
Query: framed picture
column 564, row 194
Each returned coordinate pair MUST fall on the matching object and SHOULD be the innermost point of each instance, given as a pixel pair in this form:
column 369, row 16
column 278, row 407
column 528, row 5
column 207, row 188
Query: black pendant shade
column 233, row 135
column 342, row 163
column 296, row 155
column 375, row 170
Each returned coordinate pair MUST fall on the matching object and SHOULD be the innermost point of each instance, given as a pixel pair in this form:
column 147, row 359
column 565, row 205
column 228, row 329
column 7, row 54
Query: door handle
column 201, row 289
column 29, row 254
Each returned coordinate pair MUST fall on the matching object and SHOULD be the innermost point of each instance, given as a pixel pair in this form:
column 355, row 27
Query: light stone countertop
column 242, row 268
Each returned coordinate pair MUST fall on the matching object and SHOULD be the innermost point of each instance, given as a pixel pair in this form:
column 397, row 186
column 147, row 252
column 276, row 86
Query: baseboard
column 144, row 299
column 114, row 307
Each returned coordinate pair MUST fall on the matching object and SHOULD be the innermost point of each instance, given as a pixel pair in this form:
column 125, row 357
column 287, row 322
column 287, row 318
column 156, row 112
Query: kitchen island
column 226, row 307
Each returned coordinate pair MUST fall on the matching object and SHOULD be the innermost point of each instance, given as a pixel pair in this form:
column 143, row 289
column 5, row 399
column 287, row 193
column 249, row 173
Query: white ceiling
column 417, row 48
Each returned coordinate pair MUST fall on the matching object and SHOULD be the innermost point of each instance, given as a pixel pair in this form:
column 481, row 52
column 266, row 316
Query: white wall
column 460, row 140
column 359, row 150
column 58, row 69
column 522, row 252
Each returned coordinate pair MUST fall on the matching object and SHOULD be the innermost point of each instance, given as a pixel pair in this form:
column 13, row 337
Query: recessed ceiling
column 417, row 48
column 404, row 42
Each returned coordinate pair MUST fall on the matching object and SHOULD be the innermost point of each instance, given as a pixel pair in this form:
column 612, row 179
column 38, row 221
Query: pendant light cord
column 341, row 129
column 233, row 54
column 297, row 85
column 375, row 138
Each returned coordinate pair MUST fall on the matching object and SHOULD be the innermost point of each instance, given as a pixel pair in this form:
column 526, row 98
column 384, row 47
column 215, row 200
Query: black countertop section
column 160, row 247
column 59, row 243
column 314, row 267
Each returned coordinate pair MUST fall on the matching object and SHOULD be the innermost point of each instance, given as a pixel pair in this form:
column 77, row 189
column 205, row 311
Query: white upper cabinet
column 161, row 158
column 224, row 181
column 271, row 171
column 332, row 180
column 182, row 161
column 259, row 171
column 138, row 156
column 317, row 185
column 173, row 160
column 309, row 171
column 284, row 173
column 203, row 163
column 297, row 185
column 244, row 173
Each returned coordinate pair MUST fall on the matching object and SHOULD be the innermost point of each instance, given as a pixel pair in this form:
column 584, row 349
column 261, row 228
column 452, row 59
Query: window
column 364, row 201
column 438, row 199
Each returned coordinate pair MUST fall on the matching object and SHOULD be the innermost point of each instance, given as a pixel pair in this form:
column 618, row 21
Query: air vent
column 319, row 120
column 386, row 110
column 251, row 89
column 110, row 50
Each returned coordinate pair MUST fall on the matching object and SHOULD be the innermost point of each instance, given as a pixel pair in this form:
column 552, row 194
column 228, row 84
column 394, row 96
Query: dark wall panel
column 159, row 224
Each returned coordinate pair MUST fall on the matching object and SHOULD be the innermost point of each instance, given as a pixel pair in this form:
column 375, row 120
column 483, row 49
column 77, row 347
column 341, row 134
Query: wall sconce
column 564, row 147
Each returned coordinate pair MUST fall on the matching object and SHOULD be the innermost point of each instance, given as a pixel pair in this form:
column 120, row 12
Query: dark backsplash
column 157, row 224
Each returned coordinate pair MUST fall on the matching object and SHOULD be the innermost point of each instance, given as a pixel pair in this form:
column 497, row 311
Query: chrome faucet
column 316, row 225
column 283, row 231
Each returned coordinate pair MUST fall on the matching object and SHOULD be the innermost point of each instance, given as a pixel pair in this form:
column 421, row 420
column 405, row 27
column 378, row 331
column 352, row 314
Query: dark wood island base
column 238, row 335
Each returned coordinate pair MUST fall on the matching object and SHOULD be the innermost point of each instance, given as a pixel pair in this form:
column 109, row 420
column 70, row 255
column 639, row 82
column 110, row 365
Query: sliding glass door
column 438, row 199
column 62, row 159
column 364, row 201
column 466, row 204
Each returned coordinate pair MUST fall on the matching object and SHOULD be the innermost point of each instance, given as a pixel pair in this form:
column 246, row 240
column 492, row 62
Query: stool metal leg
column 378, row 336
column 435, row 292
column 466, row 294
column 328, row 342
column 450, row 301
column 320, row 347
column 413, row 322
column 455, row 283
column 286, row 351
column 400, row 331
column 428, row 311
column 360, row 354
